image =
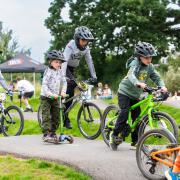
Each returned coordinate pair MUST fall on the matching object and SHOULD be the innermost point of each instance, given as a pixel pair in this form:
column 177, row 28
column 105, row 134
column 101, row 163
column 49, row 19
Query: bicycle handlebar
column 150, row 90
column 158, row 94
column 59, row 97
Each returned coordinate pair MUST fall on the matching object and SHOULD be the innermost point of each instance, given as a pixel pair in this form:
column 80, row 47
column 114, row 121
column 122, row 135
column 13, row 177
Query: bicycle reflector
column 83, row 86
column 2, row 97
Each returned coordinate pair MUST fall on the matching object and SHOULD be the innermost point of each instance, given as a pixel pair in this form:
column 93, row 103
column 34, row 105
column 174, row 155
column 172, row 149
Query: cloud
column 26, row 19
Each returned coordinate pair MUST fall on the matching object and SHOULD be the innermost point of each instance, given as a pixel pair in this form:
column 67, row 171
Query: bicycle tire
column 90, row 129
column 105, row 130
column 148, row 169
column 39, row 116
column 6, row 124
column 143, row 124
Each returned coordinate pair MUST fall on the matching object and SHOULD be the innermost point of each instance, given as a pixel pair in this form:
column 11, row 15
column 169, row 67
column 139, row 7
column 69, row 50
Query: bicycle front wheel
column 89, row 120
column 161, row 120
column 152, row 141
column 12, row 121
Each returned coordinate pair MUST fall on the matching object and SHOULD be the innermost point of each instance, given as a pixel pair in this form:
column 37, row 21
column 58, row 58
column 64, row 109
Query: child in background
column 107, row 93
column 99, row 91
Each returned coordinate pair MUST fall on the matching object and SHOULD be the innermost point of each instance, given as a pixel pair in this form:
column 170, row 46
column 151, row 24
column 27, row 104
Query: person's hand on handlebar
column 164, row 89
column 141, row 85
column 63, row 94
column 92, row 80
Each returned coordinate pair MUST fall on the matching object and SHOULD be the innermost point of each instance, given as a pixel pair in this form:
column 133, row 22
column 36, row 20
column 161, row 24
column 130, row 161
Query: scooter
column 63, row 137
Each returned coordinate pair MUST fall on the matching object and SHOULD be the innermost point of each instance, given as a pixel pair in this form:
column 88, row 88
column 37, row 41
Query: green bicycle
column 149, row 117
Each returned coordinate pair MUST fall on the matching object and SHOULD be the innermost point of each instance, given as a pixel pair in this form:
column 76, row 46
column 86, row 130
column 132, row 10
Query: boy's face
column 146, row 60
column 56, row 64
column 83, row 42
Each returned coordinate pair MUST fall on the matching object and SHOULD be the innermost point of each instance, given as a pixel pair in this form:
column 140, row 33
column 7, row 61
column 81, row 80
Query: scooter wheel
column 70, row 139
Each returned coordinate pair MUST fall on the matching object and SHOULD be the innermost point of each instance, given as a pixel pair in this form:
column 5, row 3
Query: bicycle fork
column 87, row 119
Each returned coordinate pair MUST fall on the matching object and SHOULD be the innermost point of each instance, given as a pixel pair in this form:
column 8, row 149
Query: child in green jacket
column 131, row 87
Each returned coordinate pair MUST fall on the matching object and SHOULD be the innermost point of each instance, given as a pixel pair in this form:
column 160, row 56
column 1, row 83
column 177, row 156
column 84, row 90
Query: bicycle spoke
column 89, row 121
column 12, row 121
column 152, row 142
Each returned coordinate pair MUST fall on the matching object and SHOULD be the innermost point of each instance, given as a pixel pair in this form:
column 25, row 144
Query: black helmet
column 82, row 32
column 54, row 54
column 145, row 49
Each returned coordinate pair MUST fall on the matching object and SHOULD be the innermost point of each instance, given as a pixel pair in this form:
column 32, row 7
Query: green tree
column 117, row 25
column 172, row 79
column 8, row 46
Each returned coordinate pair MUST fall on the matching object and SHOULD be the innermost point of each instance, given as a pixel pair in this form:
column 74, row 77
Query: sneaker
column 172, row 176
column 114, row 141
column 55, row 138
column 47, row 137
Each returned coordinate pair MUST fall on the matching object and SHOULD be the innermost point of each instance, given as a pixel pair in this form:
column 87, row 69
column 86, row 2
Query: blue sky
column 26, row 19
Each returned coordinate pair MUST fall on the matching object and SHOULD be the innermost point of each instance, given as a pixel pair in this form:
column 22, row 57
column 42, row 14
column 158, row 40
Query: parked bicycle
column 149, row 117
column 155, row 153
column 89, row 115
column 12, row 119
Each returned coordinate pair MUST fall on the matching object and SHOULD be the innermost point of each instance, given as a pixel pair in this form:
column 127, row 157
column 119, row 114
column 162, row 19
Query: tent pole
column 34, row 80
column 11, row 76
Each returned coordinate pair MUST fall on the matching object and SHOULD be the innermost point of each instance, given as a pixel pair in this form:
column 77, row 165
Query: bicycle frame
column 157, row 155
column 75, row 98
column 147, row 110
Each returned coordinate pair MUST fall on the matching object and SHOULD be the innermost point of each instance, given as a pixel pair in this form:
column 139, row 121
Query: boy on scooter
column 53, row 85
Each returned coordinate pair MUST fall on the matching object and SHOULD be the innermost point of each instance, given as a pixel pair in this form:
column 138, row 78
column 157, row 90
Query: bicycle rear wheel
column 89, row 120
column 110, row 112
column 151, row 141
column 12, row 121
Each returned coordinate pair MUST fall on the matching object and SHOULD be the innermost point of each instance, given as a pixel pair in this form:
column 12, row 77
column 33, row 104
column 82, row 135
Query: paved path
column 93, row 157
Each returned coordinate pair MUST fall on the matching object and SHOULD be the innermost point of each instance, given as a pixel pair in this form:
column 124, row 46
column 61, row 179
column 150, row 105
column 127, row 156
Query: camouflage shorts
column 50, row 115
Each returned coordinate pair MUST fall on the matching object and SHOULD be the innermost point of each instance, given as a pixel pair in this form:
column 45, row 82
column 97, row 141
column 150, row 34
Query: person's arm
column 90, row 63
column 155, row 77
column 45, row 83
column 3, row 82
column 64, row 84
column 132, row 77
column 67, row 54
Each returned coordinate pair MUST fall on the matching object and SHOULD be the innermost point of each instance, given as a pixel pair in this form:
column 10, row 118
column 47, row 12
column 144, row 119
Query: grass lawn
column 11, row 169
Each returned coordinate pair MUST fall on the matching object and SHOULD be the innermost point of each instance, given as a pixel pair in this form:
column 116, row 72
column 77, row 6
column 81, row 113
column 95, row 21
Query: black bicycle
column 11, row 118
column 89, row 115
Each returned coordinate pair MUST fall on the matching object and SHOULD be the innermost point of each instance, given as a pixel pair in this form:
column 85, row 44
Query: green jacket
column 137, row 73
